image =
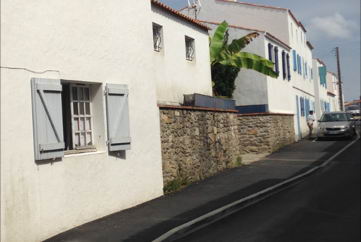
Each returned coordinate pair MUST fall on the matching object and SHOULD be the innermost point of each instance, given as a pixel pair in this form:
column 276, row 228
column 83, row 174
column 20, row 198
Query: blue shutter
column 117, row 117
column 288, row 67
column 302, row 106
column 270, row 51
column 276, row 61
column 47, row 118
column 294, row 60
column 284, row 65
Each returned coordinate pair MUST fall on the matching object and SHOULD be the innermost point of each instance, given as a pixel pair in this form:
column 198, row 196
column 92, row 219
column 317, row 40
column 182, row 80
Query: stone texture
column 198, row 143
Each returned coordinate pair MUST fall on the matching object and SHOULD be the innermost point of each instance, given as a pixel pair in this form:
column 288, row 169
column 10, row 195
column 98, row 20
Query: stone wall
column 264, row 132
column 199, row 142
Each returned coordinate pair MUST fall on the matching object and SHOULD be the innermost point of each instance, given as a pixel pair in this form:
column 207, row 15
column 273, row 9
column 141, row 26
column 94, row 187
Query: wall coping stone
column 265, row 114
column 161, row 106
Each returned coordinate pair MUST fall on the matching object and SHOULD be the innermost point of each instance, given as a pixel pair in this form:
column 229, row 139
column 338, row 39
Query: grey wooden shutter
column 47, row 118
column 117, row 117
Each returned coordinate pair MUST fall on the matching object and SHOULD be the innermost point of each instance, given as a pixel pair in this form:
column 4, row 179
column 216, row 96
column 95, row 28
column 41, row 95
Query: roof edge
column 179, row 15
column 267, row 34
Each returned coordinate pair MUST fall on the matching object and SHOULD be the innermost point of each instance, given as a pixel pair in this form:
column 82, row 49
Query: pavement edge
column 217, row 214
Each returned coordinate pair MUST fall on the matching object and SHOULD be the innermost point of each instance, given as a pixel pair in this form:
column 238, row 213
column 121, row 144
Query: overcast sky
column 329, row 23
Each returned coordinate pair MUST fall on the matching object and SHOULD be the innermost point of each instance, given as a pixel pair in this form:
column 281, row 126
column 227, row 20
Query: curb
column 224, row 211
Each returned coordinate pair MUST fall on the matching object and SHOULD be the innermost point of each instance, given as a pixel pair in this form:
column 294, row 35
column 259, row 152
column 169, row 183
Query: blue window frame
column 276, row 61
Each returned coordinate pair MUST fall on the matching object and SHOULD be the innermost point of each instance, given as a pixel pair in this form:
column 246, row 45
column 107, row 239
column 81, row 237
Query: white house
column 320, row 85
column 80, row 135
column 333, row 91
column 181, row 55
column 256, row 92
column 282, row 23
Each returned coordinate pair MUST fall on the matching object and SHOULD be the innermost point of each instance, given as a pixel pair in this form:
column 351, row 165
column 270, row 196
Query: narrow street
column 324, row 207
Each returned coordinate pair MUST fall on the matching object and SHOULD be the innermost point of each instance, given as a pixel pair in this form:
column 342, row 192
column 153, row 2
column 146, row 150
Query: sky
column 329, row 23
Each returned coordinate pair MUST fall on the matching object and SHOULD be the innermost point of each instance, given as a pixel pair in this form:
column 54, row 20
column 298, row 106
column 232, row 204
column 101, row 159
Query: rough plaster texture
column 174, row 75
column 100, row 43
column 197, row 144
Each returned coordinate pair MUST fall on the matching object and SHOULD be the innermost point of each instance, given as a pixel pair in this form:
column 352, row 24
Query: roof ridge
column 178, row 14
column 251, row 29
column 267, row 6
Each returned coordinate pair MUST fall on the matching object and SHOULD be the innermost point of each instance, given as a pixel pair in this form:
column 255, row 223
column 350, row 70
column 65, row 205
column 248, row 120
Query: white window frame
column 190, row 48
column 83, row 116
column 157, row 37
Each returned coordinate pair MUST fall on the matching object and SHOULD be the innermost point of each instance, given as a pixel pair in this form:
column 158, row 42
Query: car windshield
column 334, row 117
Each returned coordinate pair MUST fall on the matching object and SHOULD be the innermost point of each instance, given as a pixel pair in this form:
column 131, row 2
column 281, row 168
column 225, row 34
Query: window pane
column 81, row 96
column 87, row 124
column 82, row 139
column 81, row 124
column 81, row 104
column 86, row 93
column 77, row 140
column 75, row 93
column 75, row 108
column 87, row 108
column 76, row 124
column 88, row 138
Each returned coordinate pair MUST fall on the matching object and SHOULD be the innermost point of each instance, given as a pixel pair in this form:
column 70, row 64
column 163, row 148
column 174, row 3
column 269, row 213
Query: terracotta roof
column 332, row 73
column 270, row 7
column 309, row 45
column 179, row 15
column 331, row 93
column 320, row 61
column 270, row 36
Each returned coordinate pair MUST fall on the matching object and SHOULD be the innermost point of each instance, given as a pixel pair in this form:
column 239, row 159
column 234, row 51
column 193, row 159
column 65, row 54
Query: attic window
column 157, row 37
column 190, row 49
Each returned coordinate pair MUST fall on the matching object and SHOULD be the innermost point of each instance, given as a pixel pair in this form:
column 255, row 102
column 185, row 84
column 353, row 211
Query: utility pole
column 339, row 79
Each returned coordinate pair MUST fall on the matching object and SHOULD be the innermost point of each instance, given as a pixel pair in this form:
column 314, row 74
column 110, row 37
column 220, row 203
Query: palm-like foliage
column 227, row 60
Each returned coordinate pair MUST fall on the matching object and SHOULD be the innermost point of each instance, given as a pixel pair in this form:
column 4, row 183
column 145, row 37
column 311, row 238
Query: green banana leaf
column 238, row 44
column 249, row 61
column 217, row 41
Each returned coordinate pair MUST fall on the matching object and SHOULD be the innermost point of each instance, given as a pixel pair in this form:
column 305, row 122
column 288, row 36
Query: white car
column 336, row 124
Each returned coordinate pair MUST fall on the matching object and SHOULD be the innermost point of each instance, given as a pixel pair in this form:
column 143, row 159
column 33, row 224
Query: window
column 190, row 48
column 81, row 118
column 276, row 61
column 284, row 65
column 295, row 57
column 288, row 67
column 270, row 48
column 67, row 116
column 302, row 104
column 157, row 37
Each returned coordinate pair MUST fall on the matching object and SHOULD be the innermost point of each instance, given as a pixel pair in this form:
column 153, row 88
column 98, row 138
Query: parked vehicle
column 354, row 109
column 336, row 124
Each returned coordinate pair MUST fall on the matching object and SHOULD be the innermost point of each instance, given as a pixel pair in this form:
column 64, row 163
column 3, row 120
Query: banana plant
column 228, row 59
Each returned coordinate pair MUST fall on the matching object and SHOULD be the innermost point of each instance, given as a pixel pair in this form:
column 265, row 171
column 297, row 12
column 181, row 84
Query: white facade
column 279, row 22
column 174, row 74
column 321, row 89
column 99, row 43
column 333, row 91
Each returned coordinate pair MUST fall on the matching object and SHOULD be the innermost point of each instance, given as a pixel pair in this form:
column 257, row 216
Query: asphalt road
column 324, row 207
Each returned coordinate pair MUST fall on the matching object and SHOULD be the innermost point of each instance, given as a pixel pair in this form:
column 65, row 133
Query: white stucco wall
column 273, row 21
column 174, row 75
column 321, row 91
column 332, row 86
column 100, row 42
column 251, row 86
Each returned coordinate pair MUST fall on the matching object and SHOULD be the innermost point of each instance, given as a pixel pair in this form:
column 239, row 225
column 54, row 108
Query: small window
column 276, row 60
column 157, row 37
column 270, row 48
column 190, row 49
column 78, row 119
